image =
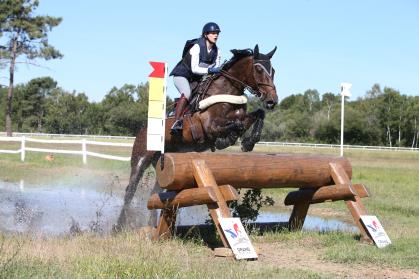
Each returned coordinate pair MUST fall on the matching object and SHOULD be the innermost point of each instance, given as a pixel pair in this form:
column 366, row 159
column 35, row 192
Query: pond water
column 67, row 208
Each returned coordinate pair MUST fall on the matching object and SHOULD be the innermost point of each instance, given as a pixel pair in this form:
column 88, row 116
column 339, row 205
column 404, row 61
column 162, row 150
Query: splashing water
column 73, row 208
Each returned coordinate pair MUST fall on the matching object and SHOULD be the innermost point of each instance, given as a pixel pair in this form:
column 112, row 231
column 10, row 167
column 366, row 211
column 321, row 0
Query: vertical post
column 344, row 87
column 157, row 107
column 298, row 215
column 166, row 224
column 84, row 150
column 341, row 124
column 22, row 149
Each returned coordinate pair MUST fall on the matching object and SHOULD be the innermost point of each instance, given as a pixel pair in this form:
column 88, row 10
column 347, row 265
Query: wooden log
column 354, row 205
column 298, row 215
column 205, row 178
column 166, row 224
column 251, row 170
column 322, row 194
column 190, row 197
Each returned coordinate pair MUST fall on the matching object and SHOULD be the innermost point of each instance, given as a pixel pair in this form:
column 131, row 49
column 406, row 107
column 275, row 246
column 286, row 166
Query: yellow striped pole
column 156, row 107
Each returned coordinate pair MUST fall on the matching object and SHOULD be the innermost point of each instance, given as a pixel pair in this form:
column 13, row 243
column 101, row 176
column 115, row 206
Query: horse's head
column 263, row 74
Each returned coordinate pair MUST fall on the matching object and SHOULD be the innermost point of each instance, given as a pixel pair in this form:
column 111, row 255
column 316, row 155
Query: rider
column 203, row 58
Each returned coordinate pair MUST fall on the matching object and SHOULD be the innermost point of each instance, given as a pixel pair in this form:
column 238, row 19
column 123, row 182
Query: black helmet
column 211, row 27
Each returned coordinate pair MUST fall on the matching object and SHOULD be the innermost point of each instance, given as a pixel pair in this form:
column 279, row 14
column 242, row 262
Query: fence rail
column 23, row 138
column 16, row 134
column 326, row 145
column 83, row 142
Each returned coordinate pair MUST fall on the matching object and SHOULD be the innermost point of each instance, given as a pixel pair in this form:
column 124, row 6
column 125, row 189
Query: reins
column 256, row 92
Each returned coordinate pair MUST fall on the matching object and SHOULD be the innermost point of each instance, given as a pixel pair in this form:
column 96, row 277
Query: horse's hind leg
column 140, row 161
column 152, row 220
column 254, row 118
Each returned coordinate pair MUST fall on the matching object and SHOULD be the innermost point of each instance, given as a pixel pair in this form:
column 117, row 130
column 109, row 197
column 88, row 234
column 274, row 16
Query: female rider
column 203, row 58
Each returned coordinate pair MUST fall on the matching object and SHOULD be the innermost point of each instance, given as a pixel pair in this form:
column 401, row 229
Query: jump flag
column 345, row 89
column 156, row 107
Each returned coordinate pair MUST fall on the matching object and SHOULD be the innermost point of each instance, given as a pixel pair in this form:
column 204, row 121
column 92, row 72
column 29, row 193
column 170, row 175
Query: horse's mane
column 237, row 55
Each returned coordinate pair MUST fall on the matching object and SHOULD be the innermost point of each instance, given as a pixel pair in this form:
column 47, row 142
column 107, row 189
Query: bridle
column 257, row 92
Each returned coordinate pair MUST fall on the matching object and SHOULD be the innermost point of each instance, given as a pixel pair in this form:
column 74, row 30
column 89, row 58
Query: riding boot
column 178, row 125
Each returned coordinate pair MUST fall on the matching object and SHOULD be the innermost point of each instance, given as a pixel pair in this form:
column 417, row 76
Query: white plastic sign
column 376, row 230
column 237, row 238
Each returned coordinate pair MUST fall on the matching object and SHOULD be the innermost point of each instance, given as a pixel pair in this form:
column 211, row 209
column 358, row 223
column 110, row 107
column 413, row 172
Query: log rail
column 193, row 179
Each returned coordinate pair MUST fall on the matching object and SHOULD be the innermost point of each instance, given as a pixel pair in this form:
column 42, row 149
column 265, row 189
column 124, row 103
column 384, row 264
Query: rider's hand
column 214, row 70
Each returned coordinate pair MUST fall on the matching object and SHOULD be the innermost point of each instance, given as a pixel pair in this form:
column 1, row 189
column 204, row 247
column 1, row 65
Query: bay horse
column 217, row 126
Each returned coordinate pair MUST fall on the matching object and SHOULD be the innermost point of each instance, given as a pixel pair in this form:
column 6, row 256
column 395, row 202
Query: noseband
column 257, row 92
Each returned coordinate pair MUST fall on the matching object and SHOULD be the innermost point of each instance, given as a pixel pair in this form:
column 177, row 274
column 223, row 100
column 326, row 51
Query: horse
column 220, row 121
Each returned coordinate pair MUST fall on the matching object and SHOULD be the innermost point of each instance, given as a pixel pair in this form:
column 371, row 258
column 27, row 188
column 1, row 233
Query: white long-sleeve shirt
column 196, row 67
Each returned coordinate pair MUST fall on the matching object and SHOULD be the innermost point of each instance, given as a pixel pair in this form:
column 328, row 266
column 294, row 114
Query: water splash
column 70, row 208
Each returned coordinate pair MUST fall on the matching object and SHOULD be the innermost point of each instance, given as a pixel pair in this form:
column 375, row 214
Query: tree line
column 381, row 117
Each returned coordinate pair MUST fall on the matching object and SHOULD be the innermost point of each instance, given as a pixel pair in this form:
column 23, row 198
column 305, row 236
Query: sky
column 320, row 43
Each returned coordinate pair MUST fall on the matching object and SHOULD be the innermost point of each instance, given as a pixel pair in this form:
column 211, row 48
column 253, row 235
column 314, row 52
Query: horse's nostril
column 270, row 104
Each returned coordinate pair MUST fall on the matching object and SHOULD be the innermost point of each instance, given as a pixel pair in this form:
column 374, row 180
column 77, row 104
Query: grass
column 127, row 255
column 392, row 178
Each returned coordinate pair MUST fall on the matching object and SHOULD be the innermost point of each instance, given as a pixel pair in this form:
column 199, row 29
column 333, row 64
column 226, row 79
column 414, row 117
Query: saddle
column 198, row 93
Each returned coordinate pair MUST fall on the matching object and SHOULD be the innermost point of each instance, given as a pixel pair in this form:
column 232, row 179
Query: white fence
column 66, row 136
column 23, row 138
column 326, row 145
column 83, row 151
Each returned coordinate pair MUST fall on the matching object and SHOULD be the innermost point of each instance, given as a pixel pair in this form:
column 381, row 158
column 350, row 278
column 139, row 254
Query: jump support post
column 195, row 179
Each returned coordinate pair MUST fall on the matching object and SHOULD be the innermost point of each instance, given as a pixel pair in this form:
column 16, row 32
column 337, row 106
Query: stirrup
column 177, row 127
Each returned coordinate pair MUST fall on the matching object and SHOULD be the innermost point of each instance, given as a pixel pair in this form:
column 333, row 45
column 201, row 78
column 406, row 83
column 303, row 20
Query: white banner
column 376, row 230
column 237, row 238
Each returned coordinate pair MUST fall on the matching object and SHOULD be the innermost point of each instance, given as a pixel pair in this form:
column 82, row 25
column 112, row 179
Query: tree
column 329, row 100
column 34, row 101
column 391, row 100
column 66, row 112
column 125, row 109
column 312, row 99
column 27, row 37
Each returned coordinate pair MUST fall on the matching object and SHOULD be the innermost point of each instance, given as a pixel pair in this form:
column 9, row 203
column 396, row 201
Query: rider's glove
column 214, row 70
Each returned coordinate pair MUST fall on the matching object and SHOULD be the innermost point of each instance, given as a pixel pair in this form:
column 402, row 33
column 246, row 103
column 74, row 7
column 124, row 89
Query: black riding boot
column 178, row 125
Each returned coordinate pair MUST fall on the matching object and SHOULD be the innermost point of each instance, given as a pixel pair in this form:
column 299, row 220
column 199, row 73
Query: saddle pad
column 222, row 98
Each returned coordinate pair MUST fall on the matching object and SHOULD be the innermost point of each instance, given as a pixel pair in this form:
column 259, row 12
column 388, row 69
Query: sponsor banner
column 237, row 238
column 376, row 230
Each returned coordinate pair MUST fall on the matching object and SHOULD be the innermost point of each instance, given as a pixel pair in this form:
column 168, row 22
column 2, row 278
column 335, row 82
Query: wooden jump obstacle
column 195, row 179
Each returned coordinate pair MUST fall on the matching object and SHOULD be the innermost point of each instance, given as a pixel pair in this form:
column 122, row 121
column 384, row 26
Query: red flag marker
column 158, row 69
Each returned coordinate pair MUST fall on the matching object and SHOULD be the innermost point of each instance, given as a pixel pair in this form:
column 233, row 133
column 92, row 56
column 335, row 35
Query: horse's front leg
column 254, row 118
column 227, row 132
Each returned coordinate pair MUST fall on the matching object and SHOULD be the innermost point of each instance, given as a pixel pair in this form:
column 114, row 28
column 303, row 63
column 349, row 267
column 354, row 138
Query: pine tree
column 27, row 37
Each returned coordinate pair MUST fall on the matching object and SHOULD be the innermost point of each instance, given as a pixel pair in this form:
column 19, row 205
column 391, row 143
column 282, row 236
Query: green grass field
column 392, row 178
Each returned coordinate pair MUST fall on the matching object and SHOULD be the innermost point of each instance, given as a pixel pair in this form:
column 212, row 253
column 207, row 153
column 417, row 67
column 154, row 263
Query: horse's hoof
column 247, row 146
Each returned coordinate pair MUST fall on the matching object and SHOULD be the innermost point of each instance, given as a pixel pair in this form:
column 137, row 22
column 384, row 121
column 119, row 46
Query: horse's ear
column 256, row 52
column 270, row 54
column 234, row 51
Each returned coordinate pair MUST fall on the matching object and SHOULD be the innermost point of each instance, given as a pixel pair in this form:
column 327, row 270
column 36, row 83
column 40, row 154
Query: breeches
column 182, row 85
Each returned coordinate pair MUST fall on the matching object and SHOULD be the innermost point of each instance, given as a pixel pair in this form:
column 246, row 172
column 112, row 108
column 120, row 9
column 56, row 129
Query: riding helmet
column 211, row 27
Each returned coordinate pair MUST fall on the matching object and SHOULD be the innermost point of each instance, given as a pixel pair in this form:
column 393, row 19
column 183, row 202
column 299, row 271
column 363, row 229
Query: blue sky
column 320, row 43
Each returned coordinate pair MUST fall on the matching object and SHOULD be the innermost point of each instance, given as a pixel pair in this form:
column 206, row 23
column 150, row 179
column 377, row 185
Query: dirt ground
column 281, row 255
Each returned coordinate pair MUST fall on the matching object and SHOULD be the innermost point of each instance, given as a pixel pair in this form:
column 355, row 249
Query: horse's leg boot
column 180, row 108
